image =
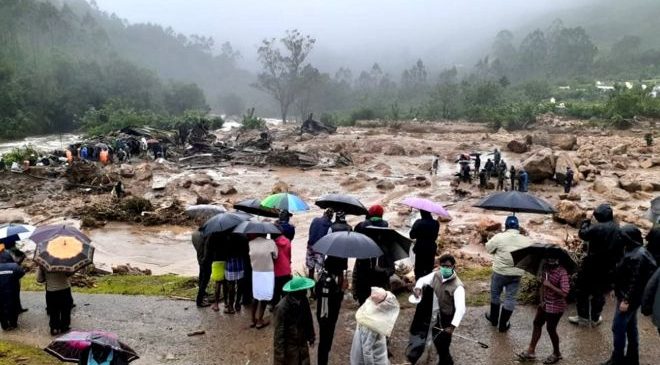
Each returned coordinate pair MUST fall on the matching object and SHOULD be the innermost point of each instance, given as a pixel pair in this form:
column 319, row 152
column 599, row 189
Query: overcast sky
column 348, row 32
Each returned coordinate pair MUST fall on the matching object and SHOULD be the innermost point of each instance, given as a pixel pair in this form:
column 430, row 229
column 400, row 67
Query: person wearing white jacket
column 375, row 321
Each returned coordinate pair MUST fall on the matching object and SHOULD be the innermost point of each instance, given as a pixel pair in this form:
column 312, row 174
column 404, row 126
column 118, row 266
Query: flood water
column 43, row 143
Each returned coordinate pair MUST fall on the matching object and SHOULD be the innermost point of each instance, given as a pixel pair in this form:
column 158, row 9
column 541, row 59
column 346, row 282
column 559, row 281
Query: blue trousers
column 624, row 328
column 509, row 284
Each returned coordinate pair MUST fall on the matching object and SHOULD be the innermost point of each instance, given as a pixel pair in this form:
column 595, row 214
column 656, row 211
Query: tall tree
column 282, row 67
column 533, row 53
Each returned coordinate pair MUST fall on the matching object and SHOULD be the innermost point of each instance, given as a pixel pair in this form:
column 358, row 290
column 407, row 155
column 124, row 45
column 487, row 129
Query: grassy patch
column 16, row 354
column 155, row 285
column 475, row 273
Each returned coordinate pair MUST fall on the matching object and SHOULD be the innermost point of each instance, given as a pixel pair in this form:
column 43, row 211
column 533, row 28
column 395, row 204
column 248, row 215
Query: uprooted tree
column 282, row 75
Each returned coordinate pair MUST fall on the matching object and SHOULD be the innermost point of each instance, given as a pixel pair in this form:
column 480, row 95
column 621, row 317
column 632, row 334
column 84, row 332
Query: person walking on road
column 294, row 327
column 425, row 232
column 604, row 248
column 555, row 285
column 449, row 293
column 506, row 277
column 631, row 275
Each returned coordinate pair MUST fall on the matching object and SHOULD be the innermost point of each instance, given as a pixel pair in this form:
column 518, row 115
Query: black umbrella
column 346, row 203
column 390, row 240
column 516, row 202
column 531, row 257
column 253, row 206
column 348, row 244
column 222, row 222
column 250, row 227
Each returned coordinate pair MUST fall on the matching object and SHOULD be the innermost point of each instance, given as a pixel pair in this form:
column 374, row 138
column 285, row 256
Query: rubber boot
column 504, row 320
column 494, row 315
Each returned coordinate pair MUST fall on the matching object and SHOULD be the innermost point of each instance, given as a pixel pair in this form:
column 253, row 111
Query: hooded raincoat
column 375, row 321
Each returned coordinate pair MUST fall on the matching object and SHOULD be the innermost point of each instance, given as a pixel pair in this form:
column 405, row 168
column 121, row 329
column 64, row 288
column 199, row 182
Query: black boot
column 494, row 315
column 504, row 320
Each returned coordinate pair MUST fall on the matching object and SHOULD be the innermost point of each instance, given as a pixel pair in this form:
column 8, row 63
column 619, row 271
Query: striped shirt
column 552, row 301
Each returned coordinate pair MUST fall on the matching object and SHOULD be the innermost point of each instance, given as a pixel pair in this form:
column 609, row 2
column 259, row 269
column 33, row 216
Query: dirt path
column 157, row 328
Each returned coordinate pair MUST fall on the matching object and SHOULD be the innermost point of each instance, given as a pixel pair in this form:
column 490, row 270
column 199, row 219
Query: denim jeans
column 624, row 327
column 510, row 284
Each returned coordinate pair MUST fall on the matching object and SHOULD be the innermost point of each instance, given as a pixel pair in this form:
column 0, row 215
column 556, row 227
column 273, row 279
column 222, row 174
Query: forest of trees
column 65, row 65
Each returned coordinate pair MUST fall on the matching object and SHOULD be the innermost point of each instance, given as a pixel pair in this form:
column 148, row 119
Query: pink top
column 283, row 261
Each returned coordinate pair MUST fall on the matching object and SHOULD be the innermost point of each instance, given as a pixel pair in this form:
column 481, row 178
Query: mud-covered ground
column 157, row 329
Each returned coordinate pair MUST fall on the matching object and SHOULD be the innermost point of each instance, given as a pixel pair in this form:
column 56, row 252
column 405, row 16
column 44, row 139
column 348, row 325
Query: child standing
column 554, row 289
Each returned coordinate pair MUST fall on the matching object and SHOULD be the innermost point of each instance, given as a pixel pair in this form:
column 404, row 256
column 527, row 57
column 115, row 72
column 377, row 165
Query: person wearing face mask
column 555, row 285
column 448, row 303
column 630, row 277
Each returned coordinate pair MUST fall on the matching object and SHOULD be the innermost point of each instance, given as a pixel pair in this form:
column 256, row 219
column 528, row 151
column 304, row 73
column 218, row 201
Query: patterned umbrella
column 427, row 205
column 285, row 201
column 70, row 346
column 11, row 233
column 62, row 248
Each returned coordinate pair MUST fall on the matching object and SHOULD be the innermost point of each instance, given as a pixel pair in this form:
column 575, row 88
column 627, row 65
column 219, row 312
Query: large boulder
column 563, row 161
column 540, row 165
column 619, row 149
column 630, row 183
column 566, row 142
column 395, row 150
column 604, row 184
column 517, row 146
column 569, row 212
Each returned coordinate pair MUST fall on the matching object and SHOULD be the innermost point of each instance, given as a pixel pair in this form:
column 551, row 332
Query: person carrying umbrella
column 555, row 285
column 59, row 300
column 375, row 321
column 425, row 232
column 449, row 299
column 367, row 272
column 631, row 275
column 294, row 327
column 604, row 248
column 329, row 293
column 263, row 252
column 317, row 229
column 288, row 229
column 506, row 277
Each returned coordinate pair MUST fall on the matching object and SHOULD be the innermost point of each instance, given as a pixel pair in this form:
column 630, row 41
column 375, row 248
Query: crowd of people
column 258, row 272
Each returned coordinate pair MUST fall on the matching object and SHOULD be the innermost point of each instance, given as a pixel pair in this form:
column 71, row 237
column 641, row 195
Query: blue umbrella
column 12, row 232
column 285, row 201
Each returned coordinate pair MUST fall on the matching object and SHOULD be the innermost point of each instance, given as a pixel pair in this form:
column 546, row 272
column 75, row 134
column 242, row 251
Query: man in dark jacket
column 425, row 232
column 653, row 243
column 512, row 177
column 489, row 168
column 523, row 181
column 631, row 275
column 317, row 229
column 568, row 182
column 477, row 163
column 651, row 299
column 10, row 274
column 329, row 294
column 604, row 248
column 294, row 327
column 371, row 272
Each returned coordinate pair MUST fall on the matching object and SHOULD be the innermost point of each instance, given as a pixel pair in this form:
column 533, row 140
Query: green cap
column 298, row 283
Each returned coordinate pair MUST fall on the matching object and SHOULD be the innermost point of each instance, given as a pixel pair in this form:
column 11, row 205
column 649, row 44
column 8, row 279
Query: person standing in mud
column 512, row 177
column 631, row 275
column 435, row 164
column 506, row 277
column 449, row 292
column 501, row 176
column 554, row 287
column 294, row 327
column 568, row 182
column 282, row 265
column 425, row 232
column 317, row 229
column 329, row 293
column 523, row 180
column 263, row 253
column 489, row 168
column 496, row 157
column 477, row 163
column 235, row 272
column 483, row 182
column 370, row 272
column 604, row 248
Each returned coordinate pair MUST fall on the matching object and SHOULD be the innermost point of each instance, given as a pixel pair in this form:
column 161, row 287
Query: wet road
column 157, row 328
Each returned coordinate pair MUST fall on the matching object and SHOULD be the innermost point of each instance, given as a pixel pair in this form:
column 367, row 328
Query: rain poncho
column 375, row 321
